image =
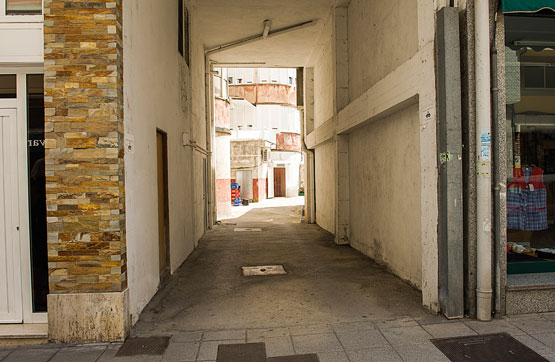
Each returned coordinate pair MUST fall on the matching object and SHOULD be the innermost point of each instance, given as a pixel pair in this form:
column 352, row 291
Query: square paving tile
column 546, row 338
column 186, row 337
column 223, row 335
column 446, row 330
column 486, row 348
column 79, row 353
column 180, row 352
column 533, row 343
column 313, row 343
column 5, row 351
column 31, row 355
column 354, row 326
column 532, row 323
column 396, row 322
column 384, row 354
column 421, row 353
column 406, row 336
column 137, row 346
column 243, row 352
column 277, row 346
column 333, row 357
column 494, row 326
column 362, row 339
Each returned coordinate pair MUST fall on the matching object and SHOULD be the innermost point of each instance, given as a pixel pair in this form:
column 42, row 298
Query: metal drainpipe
column 483, row 160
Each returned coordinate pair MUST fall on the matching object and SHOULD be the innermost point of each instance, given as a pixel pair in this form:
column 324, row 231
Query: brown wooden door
column 279, row 182
column 162, row 175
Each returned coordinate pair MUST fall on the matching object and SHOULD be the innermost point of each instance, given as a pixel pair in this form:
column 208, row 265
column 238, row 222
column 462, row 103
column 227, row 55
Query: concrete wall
column 384, row 163
column 158, row 92
column 385, row 35
column 324, row 77
column 325, row 179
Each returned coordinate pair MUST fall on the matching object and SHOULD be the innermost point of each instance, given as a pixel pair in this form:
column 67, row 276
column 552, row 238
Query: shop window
column 8, row 86
column 530, row 135
column 23, row 7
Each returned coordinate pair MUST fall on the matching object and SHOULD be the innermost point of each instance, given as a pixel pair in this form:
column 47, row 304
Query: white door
column 11, row 308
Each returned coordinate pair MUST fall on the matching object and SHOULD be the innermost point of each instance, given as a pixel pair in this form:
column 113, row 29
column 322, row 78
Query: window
column 23, row 7
column 183, row 32
column 240, row 80
column 538, row 76
column 8, row 86
column 230, row 80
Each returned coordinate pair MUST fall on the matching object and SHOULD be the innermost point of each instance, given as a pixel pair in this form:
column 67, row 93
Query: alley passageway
column 324, row 284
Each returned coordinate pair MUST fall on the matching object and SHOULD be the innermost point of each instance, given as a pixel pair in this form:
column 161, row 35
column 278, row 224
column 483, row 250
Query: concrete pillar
column 342, row 209
column 341, row 58
column 450, row 223
column 85, row 186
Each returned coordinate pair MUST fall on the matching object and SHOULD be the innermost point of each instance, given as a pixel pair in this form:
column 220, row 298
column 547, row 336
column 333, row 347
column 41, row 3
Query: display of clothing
column 527, row 200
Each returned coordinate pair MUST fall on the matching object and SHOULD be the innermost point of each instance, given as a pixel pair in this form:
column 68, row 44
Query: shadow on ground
column 325, row 283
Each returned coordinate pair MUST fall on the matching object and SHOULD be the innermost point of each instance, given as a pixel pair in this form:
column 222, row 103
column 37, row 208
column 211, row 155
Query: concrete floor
column 325, row 283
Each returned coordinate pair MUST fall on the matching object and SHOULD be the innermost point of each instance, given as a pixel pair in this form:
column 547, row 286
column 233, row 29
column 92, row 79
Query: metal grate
column 246, row 352
column 263, row 270
column 297, row 358
column 487, row 348
column 153, row 346
column 248, row 229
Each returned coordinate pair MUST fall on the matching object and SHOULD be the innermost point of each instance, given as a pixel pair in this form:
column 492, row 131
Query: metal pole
column 483, row 160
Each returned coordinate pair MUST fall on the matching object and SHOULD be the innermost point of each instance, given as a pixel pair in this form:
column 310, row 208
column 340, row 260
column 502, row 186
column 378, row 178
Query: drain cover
column 263, row 270
column 154, row 346
column 247, row 352
column 248, row 229
column 297, row 358
column 487, row 348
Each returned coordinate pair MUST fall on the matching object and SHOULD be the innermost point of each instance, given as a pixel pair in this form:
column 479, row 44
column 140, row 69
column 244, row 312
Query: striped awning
column 527, row 6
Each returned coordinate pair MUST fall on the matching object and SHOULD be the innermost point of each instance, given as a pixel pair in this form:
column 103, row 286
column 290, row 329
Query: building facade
column 266, row 158
column 427, row 139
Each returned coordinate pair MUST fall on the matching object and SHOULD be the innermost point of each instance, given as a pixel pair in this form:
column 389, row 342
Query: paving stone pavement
column 388, row 340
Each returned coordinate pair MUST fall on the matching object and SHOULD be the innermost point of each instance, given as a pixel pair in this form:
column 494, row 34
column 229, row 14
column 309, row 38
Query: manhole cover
column 154, row 346
column 296, row 358
column 247, row 352
column 487, row 348
column 248, row 229
column 263, row 270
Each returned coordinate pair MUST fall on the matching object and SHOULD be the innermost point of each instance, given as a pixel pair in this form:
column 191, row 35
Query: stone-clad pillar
column 83, row 64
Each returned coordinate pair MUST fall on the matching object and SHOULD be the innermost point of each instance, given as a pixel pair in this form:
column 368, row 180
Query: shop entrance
column 11, row 304
column 23, row 239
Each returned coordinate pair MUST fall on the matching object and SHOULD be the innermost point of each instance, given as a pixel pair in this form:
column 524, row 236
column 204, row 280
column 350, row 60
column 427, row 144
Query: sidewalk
column 394, row 340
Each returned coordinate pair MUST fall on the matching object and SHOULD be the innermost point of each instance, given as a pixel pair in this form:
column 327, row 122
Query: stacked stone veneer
column 84, row 146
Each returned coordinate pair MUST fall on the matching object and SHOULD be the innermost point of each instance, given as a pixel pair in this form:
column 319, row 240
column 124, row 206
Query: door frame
column 20, row 104
column 167, row 270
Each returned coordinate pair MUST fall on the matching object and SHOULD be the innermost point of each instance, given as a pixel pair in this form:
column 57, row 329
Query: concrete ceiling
column 225, row 21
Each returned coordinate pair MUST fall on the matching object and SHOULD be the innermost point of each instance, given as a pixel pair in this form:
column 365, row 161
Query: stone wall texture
column 84, row 146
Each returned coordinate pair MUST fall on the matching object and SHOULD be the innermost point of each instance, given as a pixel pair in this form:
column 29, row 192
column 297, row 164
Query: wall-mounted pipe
column 483, row 160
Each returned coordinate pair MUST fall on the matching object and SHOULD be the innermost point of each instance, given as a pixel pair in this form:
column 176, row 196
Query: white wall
column 384, row 163
column 325, row 182
column 157, row 94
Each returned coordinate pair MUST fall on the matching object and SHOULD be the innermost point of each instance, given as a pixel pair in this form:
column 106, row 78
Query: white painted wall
column 384, row 163
column 384, row 35
column 325, row 180
column 158, row 91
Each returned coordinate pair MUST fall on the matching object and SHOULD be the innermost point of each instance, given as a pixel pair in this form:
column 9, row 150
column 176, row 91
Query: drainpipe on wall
column 210, row 139
column 483, row 160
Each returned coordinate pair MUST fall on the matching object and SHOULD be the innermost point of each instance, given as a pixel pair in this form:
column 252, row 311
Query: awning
column 527, row 6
